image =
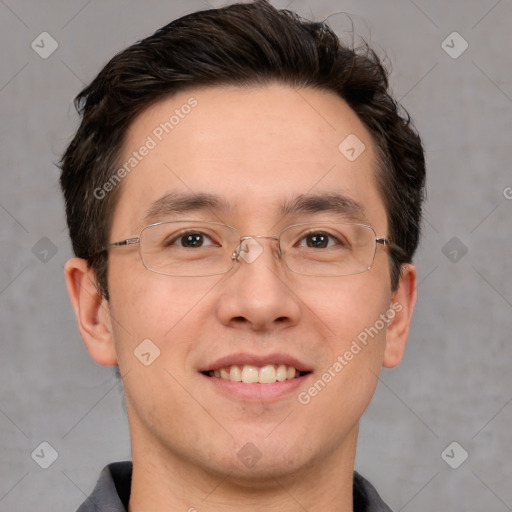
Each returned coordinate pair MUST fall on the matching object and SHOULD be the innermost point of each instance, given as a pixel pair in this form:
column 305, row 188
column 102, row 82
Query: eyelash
column 180, row 236
column 319, row 231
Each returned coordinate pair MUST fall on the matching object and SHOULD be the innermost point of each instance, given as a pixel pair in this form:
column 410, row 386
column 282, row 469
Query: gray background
column 455, row 382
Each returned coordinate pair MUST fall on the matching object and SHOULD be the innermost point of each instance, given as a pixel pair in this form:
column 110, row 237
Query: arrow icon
column 44, row 455
column 454, row 455
column 454, row 249
column 454, row 45
column 351, row 147
column 44, row 45
column 146, row 352
column 249, row 455
column 44, row 250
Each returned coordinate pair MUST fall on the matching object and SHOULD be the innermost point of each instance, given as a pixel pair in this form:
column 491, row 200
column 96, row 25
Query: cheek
column 349, row 317
column 168, row 311
column 348, row 306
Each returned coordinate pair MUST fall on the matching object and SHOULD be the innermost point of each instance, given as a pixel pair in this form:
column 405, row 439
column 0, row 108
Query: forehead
column 255, row 148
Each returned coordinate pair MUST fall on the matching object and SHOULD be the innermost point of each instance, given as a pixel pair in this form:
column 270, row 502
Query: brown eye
column 189, row 240
column 320, row 240
column 192, row 240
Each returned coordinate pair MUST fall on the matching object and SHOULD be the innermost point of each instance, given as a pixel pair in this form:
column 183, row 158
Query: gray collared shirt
column 112, row 492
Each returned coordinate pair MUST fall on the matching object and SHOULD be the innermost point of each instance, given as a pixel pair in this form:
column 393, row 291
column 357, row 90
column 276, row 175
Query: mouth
column 269, row 373
column 256, row 378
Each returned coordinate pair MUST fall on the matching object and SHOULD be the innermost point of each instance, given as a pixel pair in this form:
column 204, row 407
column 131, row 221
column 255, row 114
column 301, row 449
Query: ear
column 92, row 311
column 402, row 304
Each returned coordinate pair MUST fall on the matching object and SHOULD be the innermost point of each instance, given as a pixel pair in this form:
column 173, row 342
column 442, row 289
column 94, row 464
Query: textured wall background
column 455, row 384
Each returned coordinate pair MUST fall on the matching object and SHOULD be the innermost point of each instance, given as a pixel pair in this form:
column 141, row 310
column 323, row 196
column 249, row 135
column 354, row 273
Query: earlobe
column 92, row 312
column 402, row 304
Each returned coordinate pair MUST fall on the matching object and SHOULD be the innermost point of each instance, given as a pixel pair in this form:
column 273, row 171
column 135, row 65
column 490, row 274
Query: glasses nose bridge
column 273, row 237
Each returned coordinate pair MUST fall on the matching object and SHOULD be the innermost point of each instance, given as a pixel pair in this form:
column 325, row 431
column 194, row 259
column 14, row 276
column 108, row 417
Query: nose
column 256, row 293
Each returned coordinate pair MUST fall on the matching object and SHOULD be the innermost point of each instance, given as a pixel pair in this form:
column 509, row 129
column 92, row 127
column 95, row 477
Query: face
column 254, row 150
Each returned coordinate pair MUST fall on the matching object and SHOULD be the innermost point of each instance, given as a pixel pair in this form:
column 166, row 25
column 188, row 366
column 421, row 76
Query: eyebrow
column 174, row 203
column 177, row 203
column 338, row 204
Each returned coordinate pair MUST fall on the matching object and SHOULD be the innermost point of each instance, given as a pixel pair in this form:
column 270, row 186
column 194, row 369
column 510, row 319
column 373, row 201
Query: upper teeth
column 250, row 374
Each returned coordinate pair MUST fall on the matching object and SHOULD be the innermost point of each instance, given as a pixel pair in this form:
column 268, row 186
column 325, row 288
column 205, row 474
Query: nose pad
column 249, row 249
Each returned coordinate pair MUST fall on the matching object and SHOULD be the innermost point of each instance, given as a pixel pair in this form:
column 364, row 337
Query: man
column 244, row 200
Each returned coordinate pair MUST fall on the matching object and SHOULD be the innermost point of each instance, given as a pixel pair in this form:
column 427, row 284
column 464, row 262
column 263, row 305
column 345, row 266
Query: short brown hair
column 244, row 45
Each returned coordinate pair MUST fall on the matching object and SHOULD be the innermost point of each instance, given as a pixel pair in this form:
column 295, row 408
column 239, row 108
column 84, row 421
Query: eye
column 189, row 239
column 319, row 240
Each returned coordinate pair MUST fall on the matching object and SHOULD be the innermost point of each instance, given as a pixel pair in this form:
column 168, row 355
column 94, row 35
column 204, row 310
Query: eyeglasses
column 195, row 248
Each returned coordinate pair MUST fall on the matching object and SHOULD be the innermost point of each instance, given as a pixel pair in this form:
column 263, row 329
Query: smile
column 250, row 374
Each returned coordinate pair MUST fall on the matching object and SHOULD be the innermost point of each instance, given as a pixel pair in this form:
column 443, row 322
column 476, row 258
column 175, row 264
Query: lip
column 256, row 392
column 256, row 360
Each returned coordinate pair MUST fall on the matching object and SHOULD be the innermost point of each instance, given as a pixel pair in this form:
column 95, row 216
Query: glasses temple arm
column 128, row 241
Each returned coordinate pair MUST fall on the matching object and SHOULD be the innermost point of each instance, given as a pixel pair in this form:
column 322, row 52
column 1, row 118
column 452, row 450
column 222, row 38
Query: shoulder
column 366, row 497
column 112, row 490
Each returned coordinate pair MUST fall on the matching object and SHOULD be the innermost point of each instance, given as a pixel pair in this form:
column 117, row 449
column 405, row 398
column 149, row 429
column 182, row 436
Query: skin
column 254, row 147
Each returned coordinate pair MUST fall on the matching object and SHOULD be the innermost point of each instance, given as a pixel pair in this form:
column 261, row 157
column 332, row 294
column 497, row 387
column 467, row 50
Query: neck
column 164, row 481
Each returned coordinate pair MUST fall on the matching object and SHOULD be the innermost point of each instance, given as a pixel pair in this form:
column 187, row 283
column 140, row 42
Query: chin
column 255, row 464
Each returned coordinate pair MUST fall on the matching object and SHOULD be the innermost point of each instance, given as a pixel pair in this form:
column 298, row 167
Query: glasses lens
column 188, row 248
column 328, row 249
